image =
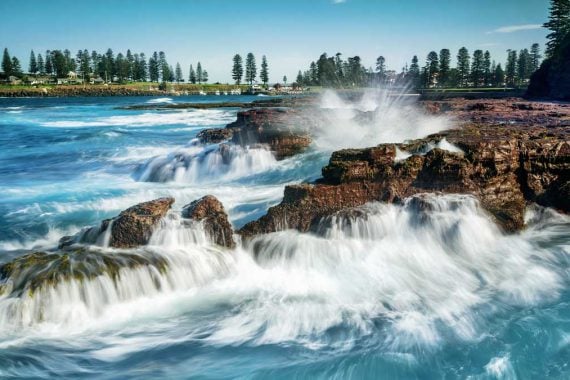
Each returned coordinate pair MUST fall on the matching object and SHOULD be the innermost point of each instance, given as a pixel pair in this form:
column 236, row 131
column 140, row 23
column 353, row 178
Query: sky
column 291, row 33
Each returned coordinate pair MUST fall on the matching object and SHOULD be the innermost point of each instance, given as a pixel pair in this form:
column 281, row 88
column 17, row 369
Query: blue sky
column 290, row 33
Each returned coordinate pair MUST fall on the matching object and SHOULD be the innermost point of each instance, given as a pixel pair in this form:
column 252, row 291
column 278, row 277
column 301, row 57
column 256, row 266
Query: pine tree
column 499, row 76
column 199, row 73
column 463, row 67
column 131, row 64
column 7, row 63
column 477, row 68
column 444, row 67
column 558, row 23
column 41, row 66
column 264, row 73
column 432, row 69
column 192, row 75
column 250, row 69
column 381, row 69
column 299, row 79
column 178, row 76
column 511, row 68
column 523, row 64
column 487, row 73
column 49, row 63
column 313, row 73
column 285, row 80
column 16, row 68
column 204, row 76
column 153, row 69
column 33, row 69
column 535, row 57
column 237, row 69
column 414, row 73
column 165, row 71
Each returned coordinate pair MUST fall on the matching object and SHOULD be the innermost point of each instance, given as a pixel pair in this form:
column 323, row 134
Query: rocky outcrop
column 210, row 212
column 284, row 130
column 504, row 167
column 131, row 228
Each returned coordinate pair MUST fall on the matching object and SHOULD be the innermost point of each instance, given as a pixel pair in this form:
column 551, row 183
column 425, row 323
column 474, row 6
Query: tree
column 511, row 68
column 299, row 79
column 534, row 57
column 487, row 72
column 355, row 71
column 192, row 75
column 178, row 76
column 49, row 63
column 16, row 68
column 199, row 73
column 165, row 72
column 41, row 66
column 523, row 66
column 285, row 80
column 498, row 76
column 444, row 67
column 313, row 73
column 381, row 69
column 204, row 76
column 237, row 69
column 414, row 73
column 432, row 69
column 264, row 73
column 558, row 23
column 7, row 63
column 33, row 69
column 339, row 66
column 463, row 67
column 250, row 69
column 478, row 68
column 153, row 70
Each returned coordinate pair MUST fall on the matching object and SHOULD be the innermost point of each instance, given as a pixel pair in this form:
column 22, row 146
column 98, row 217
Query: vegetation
column 476, row 71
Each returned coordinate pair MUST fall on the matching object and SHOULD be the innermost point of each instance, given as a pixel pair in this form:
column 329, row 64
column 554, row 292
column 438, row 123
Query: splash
column 379, row 116
column 207, row 164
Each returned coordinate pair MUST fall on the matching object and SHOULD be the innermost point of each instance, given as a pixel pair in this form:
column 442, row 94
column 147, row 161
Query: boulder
column 210, row 212
column 131, row 228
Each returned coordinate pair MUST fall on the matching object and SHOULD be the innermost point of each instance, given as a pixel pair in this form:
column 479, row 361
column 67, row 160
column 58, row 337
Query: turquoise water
column 399, row 294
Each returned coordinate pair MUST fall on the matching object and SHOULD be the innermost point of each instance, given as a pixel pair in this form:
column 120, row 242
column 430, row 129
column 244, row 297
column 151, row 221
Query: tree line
column 129, row 67
column 477, row 70
column 250, row 69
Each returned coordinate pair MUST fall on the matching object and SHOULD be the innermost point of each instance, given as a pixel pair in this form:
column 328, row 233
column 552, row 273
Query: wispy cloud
column 515, row 28
column 338, row 1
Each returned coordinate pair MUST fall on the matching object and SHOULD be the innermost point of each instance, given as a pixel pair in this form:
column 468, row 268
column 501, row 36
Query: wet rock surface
column 131, row 228
column 520, row 154
column 210, row 212
column 286, row 131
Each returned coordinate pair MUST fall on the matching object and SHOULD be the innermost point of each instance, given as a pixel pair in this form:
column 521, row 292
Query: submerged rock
column 28, row 273
column 210, row 212
column 504, row 167
column 131, row 228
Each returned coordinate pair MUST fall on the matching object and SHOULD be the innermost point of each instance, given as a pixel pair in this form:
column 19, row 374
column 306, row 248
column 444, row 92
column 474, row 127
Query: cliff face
column 504, row 167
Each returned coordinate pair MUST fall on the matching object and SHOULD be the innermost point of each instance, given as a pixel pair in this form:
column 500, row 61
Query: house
column 97, row 80
column 14, row 80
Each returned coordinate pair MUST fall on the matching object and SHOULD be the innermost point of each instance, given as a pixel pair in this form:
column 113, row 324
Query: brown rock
column 210, row 211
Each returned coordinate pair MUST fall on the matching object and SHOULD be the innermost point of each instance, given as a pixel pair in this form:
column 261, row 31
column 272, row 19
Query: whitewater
column 395, row 291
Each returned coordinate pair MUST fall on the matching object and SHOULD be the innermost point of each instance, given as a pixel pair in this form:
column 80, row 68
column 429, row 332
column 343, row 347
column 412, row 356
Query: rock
column 285, row 131
column 504, row 167
column 210, row 212
column 131, row 228
column 36, row 270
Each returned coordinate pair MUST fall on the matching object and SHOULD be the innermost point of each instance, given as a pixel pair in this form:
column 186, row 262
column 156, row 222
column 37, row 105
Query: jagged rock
column 503, row 167
column 131, row 228
column 215, row 135
column 210, row 212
